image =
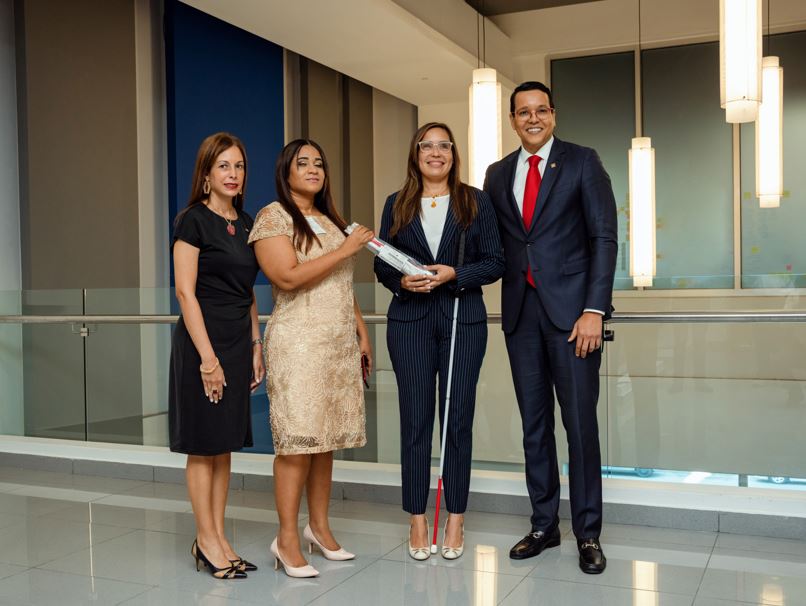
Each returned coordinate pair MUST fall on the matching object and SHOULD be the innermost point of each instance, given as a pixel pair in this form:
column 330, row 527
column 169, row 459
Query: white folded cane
column 445, row 417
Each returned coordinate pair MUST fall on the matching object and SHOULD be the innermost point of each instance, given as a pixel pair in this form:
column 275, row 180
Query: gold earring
column 206, row 188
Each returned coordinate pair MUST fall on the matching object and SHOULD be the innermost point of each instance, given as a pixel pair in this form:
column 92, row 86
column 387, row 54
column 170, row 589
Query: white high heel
column 337, row 555
column 420, row 553
column 452, row 553
column 300, row 572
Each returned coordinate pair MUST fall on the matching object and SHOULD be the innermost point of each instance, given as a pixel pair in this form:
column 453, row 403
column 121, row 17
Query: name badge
column 317, row 229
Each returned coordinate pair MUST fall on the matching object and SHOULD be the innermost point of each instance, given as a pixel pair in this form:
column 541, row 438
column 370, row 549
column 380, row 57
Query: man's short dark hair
column 531, row 85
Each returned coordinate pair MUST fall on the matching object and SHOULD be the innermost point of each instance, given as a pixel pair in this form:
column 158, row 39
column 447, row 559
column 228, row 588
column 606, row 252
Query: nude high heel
column 338, row 555
column 299, row 572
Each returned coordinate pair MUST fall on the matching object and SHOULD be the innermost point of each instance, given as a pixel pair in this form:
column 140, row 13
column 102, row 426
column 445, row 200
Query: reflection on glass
column 644, row 580
column 586, row 88
column 92, row 558
column 772, row 594
column 484, row 582
column 696, row 477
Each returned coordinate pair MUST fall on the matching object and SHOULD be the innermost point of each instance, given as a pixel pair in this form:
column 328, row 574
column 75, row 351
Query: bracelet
column 257, row 341
column 208, row 371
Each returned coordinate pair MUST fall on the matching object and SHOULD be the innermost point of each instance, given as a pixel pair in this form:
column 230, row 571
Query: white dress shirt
column 519, row 185
column 433, row 220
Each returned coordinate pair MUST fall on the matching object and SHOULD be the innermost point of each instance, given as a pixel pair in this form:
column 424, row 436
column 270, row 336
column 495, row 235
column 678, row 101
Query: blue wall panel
column 221, row 78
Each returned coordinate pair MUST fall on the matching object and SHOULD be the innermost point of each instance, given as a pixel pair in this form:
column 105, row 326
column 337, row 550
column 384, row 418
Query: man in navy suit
column 557, row 217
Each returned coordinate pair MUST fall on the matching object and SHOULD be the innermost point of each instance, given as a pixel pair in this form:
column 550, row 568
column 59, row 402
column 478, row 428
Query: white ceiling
column 375, row 41
column 423, row 51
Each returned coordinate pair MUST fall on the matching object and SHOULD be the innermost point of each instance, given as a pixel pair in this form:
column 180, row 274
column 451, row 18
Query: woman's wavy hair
column 304, row 236
column 408, row 206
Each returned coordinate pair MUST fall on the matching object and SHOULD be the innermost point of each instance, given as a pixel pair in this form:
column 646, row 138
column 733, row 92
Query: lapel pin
column 553, row 165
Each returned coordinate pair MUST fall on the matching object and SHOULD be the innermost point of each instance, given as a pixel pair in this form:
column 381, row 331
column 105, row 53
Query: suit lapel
column 553, row 167
column 509, row 180
column 447, row 234
column 419, row 236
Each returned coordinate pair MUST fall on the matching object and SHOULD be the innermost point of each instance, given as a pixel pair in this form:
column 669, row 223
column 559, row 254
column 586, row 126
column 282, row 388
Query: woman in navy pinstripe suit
column 425, row 219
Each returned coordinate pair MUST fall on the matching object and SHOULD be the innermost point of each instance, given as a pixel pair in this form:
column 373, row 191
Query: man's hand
column 588, row 333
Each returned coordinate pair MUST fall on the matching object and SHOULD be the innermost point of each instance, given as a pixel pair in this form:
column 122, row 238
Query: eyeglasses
column 442, row 147
column 540, row 112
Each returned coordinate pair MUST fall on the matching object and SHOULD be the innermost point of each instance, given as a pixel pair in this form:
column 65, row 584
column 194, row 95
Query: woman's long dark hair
column 209, row 150
column 408, row 205
column 304, row 237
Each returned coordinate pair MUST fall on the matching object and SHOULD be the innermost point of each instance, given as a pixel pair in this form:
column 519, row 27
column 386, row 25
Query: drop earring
column 206, row 188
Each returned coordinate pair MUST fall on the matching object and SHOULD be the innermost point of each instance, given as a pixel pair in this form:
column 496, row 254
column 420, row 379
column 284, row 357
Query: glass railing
column 696, row 397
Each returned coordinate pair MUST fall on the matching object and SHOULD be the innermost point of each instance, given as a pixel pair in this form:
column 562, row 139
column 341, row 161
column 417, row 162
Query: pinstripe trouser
column 419, row 351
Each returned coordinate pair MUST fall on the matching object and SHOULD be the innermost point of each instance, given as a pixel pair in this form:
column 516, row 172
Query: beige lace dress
column 313, row 363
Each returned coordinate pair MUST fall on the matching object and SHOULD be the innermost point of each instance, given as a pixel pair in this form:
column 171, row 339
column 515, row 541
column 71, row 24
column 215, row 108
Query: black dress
column 226, row 272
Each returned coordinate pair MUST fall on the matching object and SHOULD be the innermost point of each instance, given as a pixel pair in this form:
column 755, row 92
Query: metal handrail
column 671, row 317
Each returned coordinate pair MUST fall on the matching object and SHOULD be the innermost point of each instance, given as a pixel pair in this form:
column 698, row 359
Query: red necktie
column 530, row 192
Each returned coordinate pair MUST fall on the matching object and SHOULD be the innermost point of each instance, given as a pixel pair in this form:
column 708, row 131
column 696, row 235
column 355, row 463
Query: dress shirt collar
column 543, row 152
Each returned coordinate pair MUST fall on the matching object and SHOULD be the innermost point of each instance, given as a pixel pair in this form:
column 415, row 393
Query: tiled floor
column 67, row 539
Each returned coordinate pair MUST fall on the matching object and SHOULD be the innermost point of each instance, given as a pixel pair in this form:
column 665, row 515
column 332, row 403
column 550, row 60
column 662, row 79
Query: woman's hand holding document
column 389, row 254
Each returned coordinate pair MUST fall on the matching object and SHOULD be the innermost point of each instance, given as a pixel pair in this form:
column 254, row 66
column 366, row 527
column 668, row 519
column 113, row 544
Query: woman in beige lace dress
column 314, row 344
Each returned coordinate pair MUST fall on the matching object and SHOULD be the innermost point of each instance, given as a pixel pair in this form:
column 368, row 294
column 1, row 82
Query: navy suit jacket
column 483, row 263
column 571, row 245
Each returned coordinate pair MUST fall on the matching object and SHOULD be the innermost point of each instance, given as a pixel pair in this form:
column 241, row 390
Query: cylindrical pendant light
column 740, row 59
column 641, row 163
column 642, row 211
column 484, row 131
column 770, row 136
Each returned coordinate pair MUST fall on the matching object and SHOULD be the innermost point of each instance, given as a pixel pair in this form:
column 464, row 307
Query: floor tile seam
column 134, row 597
column 446, row 566
column 55, row 515
column 39, row 568
column 24, row 569
column 340, row 583
column 88, row 548
column 62, row 501
column 761, row 552
column 596, row 582
column 704, row 572
column 165, row 511
column 108, row 578
column 14, row 574
column 641, row 544
column 633, row 589
column 730, row 602
column 511, row 591
column 66, row 487
column 395, row 548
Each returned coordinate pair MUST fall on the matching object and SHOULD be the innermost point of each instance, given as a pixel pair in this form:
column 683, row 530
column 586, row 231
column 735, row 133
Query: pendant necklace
column 434, row 199
column 230, row 226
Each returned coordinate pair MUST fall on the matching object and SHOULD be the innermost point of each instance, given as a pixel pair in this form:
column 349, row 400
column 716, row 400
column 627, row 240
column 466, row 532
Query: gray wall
column 79, row 174
column 11, row 394
column 79, row 139
column 10, row 278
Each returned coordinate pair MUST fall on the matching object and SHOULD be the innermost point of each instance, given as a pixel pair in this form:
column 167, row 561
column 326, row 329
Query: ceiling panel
column 489, row 8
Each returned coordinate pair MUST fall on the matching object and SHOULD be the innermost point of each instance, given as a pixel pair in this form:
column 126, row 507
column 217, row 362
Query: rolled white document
column 389, row 254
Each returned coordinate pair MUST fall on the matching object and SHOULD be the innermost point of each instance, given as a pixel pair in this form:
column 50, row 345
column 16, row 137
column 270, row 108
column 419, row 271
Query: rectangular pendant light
column 484, row 130
column 740, row 59
column 642, row 211
column 770, row 136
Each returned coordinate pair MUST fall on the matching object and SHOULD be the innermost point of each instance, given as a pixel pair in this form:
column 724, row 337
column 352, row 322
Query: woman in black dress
column 216, row 346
